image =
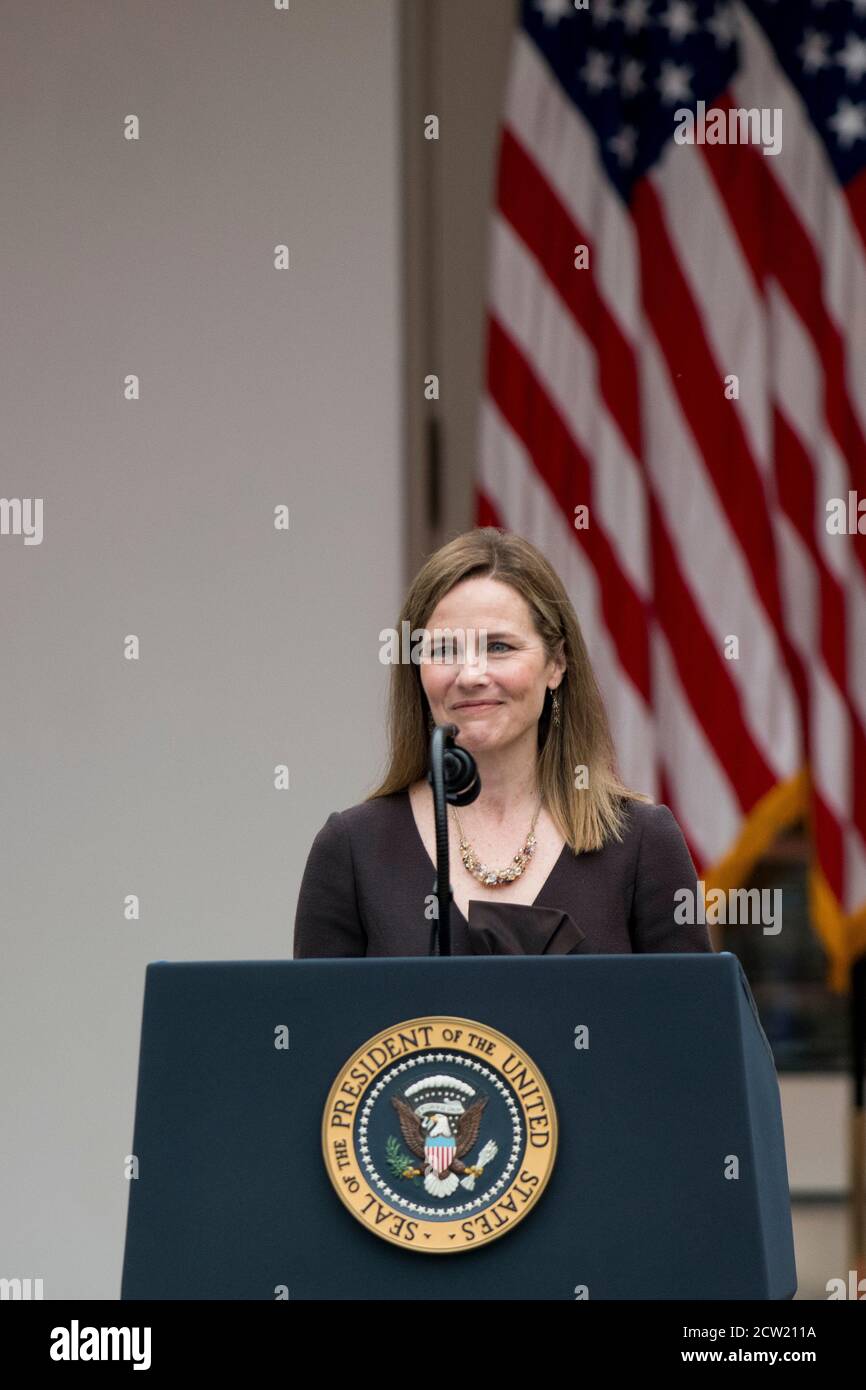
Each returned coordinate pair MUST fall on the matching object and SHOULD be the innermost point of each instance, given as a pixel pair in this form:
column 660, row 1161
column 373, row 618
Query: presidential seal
column 439, row 1134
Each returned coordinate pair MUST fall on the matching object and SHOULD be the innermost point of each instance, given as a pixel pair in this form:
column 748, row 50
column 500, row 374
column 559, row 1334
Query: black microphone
column 453, row 775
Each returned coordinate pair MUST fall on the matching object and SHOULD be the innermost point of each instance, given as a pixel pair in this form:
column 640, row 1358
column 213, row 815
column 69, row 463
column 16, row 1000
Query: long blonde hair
column 585, row 817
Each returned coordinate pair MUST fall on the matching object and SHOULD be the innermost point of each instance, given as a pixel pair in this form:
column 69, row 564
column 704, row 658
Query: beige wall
column 257, row 648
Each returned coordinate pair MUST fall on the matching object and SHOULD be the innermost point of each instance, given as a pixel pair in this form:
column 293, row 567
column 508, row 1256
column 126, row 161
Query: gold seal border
column 438, row 1020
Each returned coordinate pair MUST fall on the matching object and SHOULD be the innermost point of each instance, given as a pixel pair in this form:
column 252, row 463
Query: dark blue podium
column 623, row 1140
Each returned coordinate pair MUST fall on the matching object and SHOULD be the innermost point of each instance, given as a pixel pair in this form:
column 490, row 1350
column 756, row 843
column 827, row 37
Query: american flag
column 700, row 386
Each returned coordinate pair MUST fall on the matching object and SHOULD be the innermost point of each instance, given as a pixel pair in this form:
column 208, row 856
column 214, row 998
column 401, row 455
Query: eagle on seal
column 442, row 1148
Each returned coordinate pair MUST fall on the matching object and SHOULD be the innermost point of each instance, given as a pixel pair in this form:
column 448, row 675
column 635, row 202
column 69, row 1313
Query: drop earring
column 555, row 708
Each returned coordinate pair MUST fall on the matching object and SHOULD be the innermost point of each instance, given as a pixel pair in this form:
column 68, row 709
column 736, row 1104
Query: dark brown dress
column 367, row 890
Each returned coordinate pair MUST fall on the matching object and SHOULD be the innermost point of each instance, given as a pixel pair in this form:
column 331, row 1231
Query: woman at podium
column 555, row 856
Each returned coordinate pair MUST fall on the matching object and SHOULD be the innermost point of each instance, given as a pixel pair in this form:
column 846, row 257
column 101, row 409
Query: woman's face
column 494, row 686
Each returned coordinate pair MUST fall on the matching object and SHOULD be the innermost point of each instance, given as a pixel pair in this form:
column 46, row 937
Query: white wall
column 259, row 387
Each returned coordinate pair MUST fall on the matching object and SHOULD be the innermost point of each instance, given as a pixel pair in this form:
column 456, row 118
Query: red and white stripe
column 606, row 387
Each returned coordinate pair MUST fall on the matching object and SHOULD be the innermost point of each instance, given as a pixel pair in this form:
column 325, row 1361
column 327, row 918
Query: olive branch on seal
column 398, row 1160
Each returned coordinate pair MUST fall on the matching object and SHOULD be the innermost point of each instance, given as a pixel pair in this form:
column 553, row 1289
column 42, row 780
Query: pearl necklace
column 495, row 877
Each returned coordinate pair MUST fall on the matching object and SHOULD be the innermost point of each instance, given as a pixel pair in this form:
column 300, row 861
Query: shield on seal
column 439, row 1151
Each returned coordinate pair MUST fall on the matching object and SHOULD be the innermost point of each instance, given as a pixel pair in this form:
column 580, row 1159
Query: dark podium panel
column 234, row 1201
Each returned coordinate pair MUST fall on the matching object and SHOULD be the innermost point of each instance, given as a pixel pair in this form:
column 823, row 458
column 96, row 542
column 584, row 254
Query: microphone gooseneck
column 454, row 778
